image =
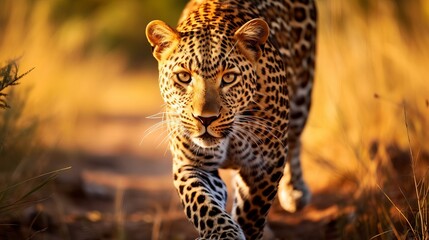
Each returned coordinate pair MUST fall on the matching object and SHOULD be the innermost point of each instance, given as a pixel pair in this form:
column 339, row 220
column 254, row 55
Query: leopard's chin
column 207, row 141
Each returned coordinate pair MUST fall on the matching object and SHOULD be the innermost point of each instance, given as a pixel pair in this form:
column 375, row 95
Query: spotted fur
column 236, row 77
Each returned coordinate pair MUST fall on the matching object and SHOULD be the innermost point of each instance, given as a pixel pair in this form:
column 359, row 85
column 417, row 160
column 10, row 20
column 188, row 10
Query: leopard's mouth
column 206, row 135
column 206, row 140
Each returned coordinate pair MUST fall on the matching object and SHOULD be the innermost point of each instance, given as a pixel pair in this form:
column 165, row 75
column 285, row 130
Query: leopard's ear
column 251, row 36
column 162, row 38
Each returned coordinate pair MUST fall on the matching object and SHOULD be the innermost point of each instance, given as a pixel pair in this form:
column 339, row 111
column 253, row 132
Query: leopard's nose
column 206, row 121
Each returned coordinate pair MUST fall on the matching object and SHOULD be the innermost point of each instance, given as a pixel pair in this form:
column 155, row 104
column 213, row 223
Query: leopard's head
column 207, row 74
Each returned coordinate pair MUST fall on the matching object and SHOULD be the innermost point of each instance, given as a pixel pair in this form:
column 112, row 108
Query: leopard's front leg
column 203, row 195
column 256, row 188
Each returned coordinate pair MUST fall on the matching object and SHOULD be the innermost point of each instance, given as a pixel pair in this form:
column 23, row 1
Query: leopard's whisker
column 153, row 129
column 263, row 128
column 229, row 52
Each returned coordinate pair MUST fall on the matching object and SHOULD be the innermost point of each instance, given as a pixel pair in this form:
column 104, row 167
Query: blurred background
column 79, row 158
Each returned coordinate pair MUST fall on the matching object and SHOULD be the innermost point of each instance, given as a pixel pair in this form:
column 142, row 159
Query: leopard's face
column 206, row 80
column 206, row 90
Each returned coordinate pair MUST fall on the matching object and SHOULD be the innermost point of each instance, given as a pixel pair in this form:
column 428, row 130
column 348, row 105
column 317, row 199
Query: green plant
column 22, row 168
column 17, row 195
column 16, row 131
column 9, row 77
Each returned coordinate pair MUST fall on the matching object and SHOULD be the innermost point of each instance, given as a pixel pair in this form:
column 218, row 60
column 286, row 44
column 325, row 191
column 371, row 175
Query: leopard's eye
column 229, row 78
column 184, row 77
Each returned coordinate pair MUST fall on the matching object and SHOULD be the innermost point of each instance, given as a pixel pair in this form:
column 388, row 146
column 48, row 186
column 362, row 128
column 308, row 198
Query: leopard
column 236, row 77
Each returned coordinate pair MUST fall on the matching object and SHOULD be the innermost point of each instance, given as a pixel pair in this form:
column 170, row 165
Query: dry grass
column 367, row 67
column 371, row 70
column 64, row 85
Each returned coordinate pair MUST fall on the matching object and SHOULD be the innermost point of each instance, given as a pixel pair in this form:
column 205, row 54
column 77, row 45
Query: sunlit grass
column 369, row 71
column 17, row 195
column 65, row 86
column 366, row 69
column 23, row 175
